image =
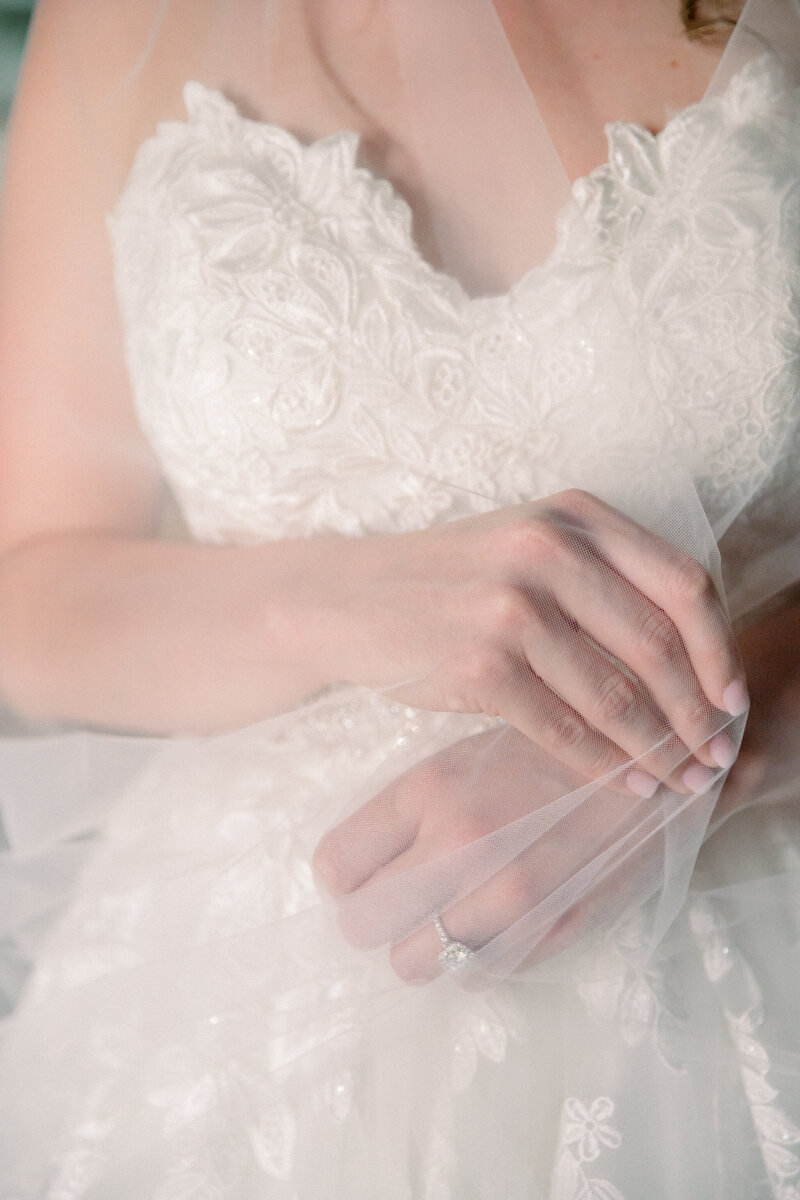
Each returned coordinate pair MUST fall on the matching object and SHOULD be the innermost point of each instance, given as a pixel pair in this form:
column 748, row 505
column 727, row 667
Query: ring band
column 454, row 955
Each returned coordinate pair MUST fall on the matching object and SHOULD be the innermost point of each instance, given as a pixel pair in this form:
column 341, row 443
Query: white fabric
column 196, row 1026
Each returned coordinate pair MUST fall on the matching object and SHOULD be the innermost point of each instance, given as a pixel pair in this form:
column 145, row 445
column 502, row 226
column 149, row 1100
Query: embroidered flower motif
column 585, row 1132
column 448, row 380
column 741, row 1001
column 588, row 1128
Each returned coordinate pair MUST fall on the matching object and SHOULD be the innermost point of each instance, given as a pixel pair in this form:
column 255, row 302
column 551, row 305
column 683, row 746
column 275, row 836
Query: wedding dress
column 193, row 1027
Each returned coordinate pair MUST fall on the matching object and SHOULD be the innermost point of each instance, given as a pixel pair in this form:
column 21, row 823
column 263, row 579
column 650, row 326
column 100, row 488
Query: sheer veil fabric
column 165, row 885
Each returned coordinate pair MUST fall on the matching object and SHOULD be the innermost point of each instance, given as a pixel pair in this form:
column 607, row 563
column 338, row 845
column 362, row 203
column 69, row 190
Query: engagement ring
column 453, row 956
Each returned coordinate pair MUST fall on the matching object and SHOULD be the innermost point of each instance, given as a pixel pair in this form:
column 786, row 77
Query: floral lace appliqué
column 740, row 998
column 586, row 1132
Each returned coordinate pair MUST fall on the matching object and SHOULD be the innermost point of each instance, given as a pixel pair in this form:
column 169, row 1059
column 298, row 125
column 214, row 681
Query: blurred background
column 14, row 17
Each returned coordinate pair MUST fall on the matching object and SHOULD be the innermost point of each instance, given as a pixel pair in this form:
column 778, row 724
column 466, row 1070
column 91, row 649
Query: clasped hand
column 599, row 642
column 497, row 838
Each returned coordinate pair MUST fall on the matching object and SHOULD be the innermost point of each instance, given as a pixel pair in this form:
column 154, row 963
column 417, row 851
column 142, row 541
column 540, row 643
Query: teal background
column 14, row 17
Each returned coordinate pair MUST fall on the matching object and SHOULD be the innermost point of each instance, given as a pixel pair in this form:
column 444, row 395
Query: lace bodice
column 300, row 368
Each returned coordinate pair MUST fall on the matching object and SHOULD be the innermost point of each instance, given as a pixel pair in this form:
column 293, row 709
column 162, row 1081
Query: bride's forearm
column 159, row 637
column 462, row 617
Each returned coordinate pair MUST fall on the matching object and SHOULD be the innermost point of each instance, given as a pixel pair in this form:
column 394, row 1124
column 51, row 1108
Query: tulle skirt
column 196, row 1026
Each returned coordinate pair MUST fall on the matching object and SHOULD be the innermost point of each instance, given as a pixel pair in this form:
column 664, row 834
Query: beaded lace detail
column 301, row 369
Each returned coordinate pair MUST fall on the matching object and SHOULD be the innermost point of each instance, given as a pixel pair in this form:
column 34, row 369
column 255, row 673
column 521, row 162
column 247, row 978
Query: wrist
column 301, row 611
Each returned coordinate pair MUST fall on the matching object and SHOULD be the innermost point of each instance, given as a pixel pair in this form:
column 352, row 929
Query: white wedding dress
column 300, row 369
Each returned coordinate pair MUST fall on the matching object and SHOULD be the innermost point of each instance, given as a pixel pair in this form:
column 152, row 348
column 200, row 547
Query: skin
column 102, row 624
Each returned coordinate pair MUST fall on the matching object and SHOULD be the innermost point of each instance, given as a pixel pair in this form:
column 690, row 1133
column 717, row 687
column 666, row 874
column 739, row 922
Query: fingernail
column 735, row 698
column 641, row 784
column 723, row 751
column 697, row 778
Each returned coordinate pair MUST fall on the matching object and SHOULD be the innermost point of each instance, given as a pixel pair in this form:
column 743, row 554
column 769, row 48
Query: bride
column 398, row 515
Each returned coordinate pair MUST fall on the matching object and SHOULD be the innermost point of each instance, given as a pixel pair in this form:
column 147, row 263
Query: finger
column 525, row 700
column 398, row 898
column 613, row 702
column 493, row 908
column 539, row 886
column 674, row 582
column 415, row 959
column 383, row 828
column 564, row 933
column 473, row 922
column 451, row 861
column 546, row 899
column 602, row 906
column 640, row 634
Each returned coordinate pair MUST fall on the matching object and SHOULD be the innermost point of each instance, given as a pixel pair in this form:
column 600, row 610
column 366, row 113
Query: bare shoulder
column 111, row 67
column 90, row 47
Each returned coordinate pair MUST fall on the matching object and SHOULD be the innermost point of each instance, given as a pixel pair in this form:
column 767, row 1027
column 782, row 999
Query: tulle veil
column 492, row 200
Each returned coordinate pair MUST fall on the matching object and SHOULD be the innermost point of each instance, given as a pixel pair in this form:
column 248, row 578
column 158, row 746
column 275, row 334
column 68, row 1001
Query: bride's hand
column 594, row 637
column 480, row 835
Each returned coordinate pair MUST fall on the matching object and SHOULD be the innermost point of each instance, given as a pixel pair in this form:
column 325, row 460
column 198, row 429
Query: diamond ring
column 454, row 955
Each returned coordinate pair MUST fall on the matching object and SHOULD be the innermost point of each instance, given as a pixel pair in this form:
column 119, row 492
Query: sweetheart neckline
column 438, row 275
